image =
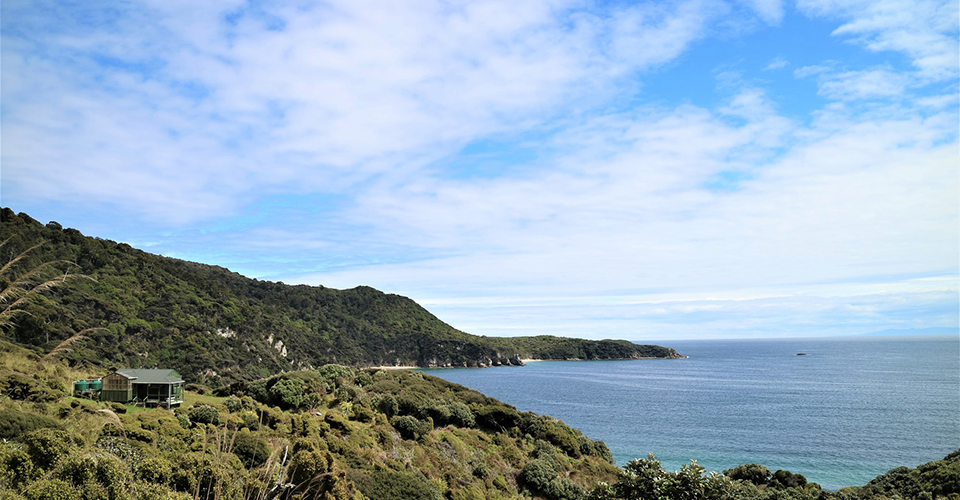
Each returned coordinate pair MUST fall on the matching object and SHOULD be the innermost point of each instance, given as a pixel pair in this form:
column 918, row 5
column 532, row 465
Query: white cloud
column 810, row 70
column 626, row 211
column 777, row 63
column 924, row 30
column 198, row 112
column 628, row 219
column 770, row 11
column 869, row 84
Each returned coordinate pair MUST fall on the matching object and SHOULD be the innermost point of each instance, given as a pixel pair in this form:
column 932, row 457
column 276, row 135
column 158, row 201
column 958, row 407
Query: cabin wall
column 116, row 388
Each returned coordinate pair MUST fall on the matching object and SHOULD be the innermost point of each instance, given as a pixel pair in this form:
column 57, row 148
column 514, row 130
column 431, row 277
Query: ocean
column 843, row 413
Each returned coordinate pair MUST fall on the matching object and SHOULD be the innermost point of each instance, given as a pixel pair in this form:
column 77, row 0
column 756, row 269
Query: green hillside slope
column 217, row 326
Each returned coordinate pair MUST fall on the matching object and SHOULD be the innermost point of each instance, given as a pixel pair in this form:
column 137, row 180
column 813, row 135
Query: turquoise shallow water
column 849, row 410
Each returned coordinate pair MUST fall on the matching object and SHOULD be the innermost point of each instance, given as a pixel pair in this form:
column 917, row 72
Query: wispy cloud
column 777, row 63
column 770, row 11
column 199, row 107
column 926, row 30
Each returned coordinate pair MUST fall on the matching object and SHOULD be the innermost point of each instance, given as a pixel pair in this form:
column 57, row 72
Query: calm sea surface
column 849, row 410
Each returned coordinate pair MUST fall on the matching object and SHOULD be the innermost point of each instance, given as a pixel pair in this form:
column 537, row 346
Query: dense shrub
column 47, row 446
column 941, row 477
column 336, row 421
column 212, row 478
column 204, row 414
column 258, row 390
column 19, row 386
column 787, row 479
column 601, row 451
column 252, row 449
column 386, row 485
column 562, row 436
column 233, row 404
column 563, row 488
column 448, row 413
column 363, row 379
column 539, row 472
column 362, row 414
column 250, row 420
column 332, row 373
column 387, row 404
column 307, row 464
column 645, row 478
column 287, row 393
column 51, row 489
column 411, row 427
column 15, row 423
column 155, row 470
column 99, row 475
column 497, row 418
column 16, row 468
column 752, row 473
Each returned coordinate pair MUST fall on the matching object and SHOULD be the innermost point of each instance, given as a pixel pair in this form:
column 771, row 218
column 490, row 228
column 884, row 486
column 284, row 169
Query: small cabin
column 149, row 387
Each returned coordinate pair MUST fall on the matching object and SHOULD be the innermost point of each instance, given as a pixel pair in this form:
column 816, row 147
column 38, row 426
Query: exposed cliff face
column 482, row 362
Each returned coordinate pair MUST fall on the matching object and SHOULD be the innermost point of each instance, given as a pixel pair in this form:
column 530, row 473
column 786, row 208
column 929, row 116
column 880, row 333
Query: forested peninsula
column 127, row 307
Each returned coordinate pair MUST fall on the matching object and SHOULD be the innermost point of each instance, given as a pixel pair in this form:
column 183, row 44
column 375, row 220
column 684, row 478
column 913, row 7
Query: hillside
column 334, row 432
column 216, row 326
column 338, row 432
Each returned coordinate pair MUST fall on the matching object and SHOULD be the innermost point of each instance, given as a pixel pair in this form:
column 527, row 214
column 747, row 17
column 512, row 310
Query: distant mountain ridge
column 216, row 326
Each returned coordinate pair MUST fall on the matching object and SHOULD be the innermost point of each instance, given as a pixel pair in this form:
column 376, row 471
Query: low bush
column 16, row 469
column 233, row 404
column 538, row 473
column 51, row 489
column 204, row 414
column 411, row 427
column 155, row 470
column 19, row 386
column 752, row 473
column 787, row 479
column 385, row 485
column 387, row 404
column 251, row 448
column 47, row 446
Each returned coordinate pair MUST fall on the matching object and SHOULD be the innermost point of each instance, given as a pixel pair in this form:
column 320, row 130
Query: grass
column 191, row 398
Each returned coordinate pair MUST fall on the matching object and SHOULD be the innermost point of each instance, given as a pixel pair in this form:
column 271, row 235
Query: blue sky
column 640, row 170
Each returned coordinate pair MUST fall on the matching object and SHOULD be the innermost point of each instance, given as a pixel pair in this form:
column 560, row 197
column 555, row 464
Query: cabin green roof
column 152, row 375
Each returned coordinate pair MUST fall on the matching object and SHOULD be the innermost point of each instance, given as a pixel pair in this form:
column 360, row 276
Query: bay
column 843, row 413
